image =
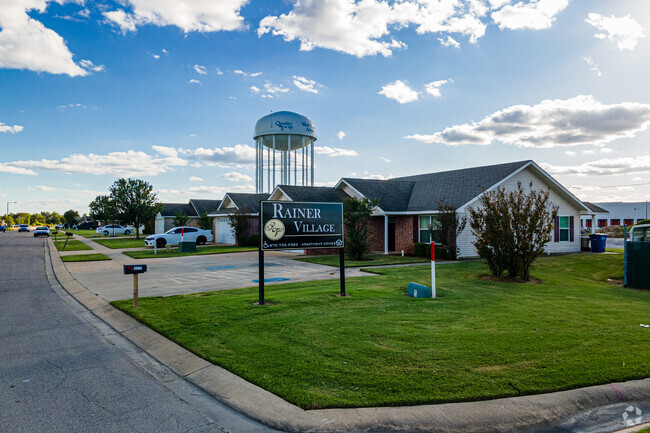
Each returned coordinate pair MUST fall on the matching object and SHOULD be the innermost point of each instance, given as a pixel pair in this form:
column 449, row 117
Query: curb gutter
column 515, row 414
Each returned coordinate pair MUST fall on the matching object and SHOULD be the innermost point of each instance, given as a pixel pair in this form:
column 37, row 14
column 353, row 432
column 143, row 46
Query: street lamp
column 8, row 210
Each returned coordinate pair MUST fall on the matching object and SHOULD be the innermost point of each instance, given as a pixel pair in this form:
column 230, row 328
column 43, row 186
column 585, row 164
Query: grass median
column 121, row 243
column 480, row 339
column 162, row 252
column 72, row 245
column 84, row 258
column 372, row 260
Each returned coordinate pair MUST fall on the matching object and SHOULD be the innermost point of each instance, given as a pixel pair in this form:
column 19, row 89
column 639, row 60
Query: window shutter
column 416, row 228
column 571, row 229
column 557, row 229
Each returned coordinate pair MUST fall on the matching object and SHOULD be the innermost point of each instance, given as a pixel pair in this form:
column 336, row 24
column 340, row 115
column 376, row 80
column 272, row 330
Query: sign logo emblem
column 274, row 229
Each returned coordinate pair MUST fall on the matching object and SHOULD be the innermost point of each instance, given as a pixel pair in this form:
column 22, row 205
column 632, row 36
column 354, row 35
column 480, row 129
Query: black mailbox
column 134, row 269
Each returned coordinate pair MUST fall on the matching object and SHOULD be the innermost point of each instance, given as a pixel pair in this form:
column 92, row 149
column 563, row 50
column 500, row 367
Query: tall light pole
column 7, row 216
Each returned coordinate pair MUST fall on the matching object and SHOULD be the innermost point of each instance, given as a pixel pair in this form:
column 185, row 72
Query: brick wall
column 376, row 226
column 404, row 229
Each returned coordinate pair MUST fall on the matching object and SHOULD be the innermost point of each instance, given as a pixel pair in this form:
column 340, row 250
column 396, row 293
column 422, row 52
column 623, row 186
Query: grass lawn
column 162, row 252
column 121, row 243
column 373, row 260
column 84, row 258
column 480, row 339
column 73, row 245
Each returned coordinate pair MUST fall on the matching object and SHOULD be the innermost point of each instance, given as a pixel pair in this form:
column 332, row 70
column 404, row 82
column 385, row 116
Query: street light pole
column 8, row 210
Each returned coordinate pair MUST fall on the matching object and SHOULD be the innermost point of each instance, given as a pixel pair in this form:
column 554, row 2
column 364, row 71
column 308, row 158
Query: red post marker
column 182, row 233
column 433, row 269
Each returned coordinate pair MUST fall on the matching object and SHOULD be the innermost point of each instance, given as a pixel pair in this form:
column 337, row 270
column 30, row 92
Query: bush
column 356, row 215
column 643, row 222
column 420, row 249
column 254, row 240
column 612, row 231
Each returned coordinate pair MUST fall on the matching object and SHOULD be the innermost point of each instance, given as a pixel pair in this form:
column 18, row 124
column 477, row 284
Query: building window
column 628, row 223
column 588, row 224
column 564, row 228
column 602, row 223
column 615, row 222
column 427, row 221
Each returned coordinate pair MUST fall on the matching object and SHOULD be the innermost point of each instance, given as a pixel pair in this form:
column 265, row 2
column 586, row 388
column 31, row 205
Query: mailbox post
column 135, row 270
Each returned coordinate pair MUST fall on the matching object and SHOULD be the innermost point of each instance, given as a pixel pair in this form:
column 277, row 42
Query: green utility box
column 416, row 290
column 186, row 247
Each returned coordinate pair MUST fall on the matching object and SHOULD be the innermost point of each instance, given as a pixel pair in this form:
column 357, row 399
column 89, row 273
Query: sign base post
column 135, row 290
column 342, row 270
column 261, row 276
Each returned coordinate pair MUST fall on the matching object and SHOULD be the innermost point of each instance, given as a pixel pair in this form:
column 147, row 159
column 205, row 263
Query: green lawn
column 480, row 339
column 373, row 260
column 84, row 258
column 162, row 252
column 121, row 243
column 73, row 245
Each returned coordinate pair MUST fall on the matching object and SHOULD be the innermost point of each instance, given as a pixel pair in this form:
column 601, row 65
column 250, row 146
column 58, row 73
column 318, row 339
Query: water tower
column 286, row 140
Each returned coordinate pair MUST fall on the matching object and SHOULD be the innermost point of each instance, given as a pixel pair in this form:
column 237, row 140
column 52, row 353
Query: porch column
column 593, row 224
column 385, row 234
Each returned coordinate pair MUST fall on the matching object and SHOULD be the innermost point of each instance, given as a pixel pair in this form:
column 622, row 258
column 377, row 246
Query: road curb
column 515, row 414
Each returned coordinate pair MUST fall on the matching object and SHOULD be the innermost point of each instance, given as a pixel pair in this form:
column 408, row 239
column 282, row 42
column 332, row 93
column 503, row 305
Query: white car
column 174, row 236
column 112, row 229
column 42, row 231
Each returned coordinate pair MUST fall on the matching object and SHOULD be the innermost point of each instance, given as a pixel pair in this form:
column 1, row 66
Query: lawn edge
column 505, row 414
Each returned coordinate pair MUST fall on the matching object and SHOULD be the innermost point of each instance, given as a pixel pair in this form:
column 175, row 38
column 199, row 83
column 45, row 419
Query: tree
column 450, row 226
column 180, row 219
column 512, row 228
column 37, row 219
column 102, row 209
column 205, row 222
column 356, row 215
column 71, row 216
column 238, row 221
column 135, row 202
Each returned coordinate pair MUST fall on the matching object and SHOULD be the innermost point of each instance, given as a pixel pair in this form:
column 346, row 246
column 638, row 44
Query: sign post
column 433, row 269
column 289, row 225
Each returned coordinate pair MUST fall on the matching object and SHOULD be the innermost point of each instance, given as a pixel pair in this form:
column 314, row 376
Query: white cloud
column 341, row 135
column 194, row 81
column 364, row 27
column 90, row 66
column 334, row 151
column 255, row 89
column 305, row 84
column 72, row 105
column 535, row 15
column 449, row 42
column 121, row 164
column 270, row 90
column 551, row 123
column 12, row 129
column 592, row 66
column 246, row 74
column 188, row 15
column 219, row 71
column 376, row 176
column 165, row 51
column 196, row 179
column 237, row 154
column 42, row 188
column 399, row 91
column 383, row 158
column 156, row 56
column 237, row 177
column 625, row 32
column 613, row 166
column 570, row 153
column 201, row 69
column 433, row 88
column 26, row 43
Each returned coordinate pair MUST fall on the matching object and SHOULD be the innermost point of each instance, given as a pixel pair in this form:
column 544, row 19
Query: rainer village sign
column 300, row 225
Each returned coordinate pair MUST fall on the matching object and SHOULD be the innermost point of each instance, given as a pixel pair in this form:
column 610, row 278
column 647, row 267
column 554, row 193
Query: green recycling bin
column 186, row 247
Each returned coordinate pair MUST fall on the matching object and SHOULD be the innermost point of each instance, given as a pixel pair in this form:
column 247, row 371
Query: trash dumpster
column 598, row 242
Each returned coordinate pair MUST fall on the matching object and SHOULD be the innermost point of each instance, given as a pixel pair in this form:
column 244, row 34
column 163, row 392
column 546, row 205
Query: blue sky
column 169, row 91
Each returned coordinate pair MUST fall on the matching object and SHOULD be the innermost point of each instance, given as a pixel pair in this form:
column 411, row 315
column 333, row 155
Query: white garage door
column 225, row 235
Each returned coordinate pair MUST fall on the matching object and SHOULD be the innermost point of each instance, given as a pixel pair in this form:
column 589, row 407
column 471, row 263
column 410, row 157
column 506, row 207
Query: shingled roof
column 423, row 192
column 170, row 209
column 313, row 193
column 595, row 208
column 205, row 206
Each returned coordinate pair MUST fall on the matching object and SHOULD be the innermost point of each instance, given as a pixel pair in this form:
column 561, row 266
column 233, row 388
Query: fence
column 637, row 265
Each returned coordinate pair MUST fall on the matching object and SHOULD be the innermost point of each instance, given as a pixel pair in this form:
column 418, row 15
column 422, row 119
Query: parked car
column 59, row 226
column 86, row 226
column 111, row 229
column 23, row 228
column 41, row 231
column 174, row 236
column 3, row 228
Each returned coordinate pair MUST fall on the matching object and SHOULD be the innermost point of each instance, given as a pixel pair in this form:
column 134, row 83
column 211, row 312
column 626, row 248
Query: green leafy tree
column 37, row 219
column 356, row 215
column 102, row 209
column 238, row 222
column 71, row 216
column 512, row 228
column 180, row 219
column 9, row 220
column 135, row 202
column 205, row 222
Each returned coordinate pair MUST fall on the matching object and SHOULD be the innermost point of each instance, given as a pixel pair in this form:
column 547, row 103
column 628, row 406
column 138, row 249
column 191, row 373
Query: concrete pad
column 115, row 318
column 182, row 361
column 89, row 300
column 252, row 401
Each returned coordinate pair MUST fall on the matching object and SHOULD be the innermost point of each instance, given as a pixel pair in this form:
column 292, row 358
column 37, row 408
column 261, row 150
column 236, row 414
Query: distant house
column 408, row 205
column 231, row 203
column 617, row 213
column 193, row 209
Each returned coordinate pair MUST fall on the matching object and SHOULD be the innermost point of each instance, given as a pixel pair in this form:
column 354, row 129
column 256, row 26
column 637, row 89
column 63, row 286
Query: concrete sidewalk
column 566, row 411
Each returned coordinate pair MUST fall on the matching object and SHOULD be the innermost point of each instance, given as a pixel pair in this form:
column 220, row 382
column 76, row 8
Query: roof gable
column 205, row 206
column 312, row 193
column 171, row 209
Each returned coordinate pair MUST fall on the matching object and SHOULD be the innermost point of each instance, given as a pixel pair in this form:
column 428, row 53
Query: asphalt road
column 64, row 370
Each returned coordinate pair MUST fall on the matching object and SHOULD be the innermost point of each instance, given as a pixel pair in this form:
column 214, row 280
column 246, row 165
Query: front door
column 391, row 234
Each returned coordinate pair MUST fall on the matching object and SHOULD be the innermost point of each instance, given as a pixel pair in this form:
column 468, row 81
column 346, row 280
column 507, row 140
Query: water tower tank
column 286, row 140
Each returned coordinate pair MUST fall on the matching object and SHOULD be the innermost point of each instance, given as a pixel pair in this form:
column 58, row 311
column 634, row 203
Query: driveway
column 192, row 274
